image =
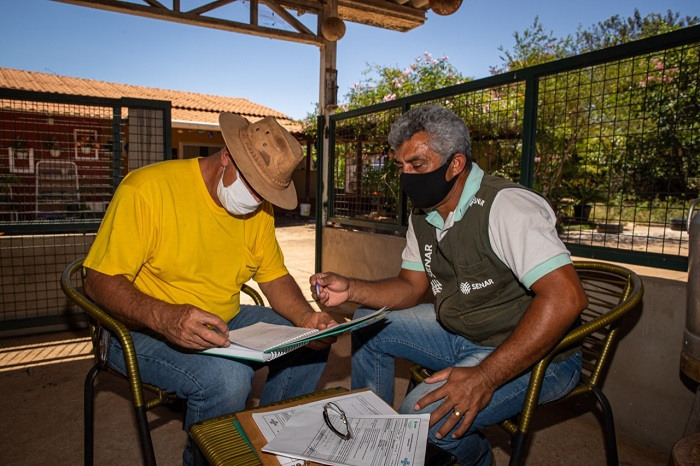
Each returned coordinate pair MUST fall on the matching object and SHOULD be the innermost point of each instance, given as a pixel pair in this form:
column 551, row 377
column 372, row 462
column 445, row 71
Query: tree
column 532, row 47
column 620, row 129
column 535, row 45
column 382, row 83
column 385, row 83
column 366, row 177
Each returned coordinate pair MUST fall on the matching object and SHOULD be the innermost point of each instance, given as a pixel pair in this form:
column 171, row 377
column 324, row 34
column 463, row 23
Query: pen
column 318, row 289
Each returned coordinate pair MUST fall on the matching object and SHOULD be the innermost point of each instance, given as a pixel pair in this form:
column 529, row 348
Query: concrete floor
column 42, row 404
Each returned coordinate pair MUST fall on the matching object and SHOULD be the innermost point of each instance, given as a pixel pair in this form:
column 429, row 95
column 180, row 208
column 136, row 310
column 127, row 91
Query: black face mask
column 427, row 189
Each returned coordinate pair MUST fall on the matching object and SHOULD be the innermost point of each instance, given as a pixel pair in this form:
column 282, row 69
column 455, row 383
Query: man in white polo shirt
column 504, row 287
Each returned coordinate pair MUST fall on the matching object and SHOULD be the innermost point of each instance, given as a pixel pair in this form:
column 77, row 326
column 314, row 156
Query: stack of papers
column 380, row 436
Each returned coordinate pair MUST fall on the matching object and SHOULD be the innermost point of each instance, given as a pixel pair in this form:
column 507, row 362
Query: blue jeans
column 415, row 335
column 214, row 385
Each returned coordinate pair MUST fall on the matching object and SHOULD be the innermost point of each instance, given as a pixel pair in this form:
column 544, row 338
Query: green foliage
column 535, row 45
column 622, row 127
column 532, row 47
column 385, row 83
column 617, row 30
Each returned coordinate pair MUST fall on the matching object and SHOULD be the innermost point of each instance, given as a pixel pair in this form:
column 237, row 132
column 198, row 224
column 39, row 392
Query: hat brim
column 231, row 125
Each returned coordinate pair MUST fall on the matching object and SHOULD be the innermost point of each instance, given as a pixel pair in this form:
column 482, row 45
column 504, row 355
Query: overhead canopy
column 398, row 15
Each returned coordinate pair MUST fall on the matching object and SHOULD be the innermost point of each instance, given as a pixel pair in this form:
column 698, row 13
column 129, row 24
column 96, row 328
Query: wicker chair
column 612, row 292
column 102, row 322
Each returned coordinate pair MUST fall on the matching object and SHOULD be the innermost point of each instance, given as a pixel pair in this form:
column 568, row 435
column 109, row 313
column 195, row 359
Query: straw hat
column 266, row 154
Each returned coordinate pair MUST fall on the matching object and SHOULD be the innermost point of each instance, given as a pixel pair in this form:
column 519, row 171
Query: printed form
column 380, row 436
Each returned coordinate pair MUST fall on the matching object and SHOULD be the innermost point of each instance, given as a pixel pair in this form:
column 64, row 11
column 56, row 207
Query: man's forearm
column 119, row 297
column 393, row 293
column 558, row 301
column 529, row 342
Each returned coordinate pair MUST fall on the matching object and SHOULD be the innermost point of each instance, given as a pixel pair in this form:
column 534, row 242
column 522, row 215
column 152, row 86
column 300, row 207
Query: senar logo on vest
column 467, row 287
column 477, row 201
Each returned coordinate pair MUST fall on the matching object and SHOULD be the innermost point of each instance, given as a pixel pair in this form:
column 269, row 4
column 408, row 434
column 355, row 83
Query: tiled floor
column 41, row 379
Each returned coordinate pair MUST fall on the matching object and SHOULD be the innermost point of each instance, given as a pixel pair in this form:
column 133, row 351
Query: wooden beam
column 209, row 6
column 254, row 12
column 155, row 4
column 198, row 20
column 291, row 20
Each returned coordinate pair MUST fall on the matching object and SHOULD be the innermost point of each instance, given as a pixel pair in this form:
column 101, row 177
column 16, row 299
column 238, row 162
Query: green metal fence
column 61, row 158
column 611, row 138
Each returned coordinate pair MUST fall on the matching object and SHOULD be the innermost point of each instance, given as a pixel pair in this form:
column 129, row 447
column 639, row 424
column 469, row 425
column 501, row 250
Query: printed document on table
column 386, row 440
column 364, row 403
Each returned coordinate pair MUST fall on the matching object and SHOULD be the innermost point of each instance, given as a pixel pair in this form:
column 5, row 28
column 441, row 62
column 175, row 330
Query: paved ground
column 42, row 402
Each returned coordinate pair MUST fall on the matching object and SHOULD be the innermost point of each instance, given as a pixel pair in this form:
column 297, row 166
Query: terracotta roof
column 188, row 108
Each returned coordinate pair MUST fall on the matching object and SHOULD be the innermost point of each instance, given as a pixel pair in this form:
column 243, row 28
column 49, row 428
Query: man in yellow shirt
column 177, row 242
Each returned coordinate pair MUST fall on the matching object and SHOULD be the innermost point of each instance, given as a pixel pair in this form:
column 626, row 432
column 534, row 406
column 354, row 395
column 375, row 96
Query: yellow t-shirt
column 165, row 233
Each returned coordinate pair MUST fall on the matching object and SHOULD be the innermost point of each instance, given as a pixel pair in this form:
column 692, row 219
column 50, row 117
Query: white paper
column 264, row 341
column 383, row 440
column 364, row 403
column 262, row 335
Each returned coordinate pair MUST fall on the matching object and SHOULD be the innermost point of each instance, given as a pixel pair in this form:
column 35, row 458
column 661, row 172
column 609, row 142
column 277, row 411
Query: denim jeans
column 214, row 385
column 415, row 335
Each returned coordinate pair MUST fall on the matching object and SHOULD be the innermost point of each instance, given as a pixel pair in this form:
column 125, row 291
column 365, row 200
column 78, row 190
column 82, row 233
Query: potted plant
column 53, row 146
column 86, row 144
column 614, row 228
column 20, row 149
column 678, row 224
column 581, row 189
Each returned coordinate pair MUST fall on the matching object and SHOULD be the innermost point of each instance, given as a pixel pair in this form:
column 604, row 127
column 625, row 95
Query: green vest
column 477, row 295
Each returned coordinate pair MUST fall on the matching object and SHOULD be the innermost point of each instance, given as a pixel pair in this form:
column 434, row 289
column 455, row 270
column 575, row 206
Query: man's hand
column 332, row 290
column 184, row 325
column 467, row 391
column 190, row 327
column 321, row 321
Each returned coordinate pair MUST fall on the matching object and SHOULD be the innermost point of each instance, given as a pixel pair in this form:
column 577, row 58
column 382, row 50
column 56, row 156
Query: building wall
column 650, row 397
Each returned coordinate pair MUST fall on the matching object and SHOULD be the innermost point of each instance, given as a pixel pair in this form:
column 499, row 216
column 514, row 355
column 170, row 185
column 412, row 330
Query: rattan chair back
column 103, row 326
column 613, row 291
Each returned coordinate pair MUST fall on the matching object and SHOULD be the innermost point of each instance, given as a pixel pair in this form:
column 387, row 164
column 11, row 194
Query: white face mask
column 236, row 198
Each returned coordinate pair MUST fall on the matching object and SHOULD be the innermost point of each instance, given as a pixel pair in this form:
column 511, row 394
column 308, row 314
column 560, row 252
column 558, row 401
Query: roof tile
column 186, row 106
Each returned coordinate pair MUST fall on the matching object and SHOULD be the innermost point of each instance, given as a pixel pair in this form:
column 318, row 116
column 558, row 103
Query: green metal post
column 527, row 162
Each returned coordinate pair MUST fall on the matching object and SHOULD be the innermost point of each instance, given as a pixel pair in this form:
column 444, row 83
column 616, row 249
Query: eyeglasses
column 337, row 421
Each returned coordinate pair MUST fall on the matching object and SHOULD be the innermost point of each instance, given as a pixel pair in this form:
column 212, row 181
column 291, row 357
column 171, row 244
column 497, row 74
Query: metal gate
column 61, row 158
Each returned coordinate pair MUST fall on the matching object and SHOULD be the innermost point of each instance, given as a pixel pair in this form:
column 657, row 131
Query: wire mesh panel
column 365, row 177
column 146, row 137
column 611, row 139
column 494, row 116
column 30, row 270
column 617, row 150
column 61, row 160
column 56, row 161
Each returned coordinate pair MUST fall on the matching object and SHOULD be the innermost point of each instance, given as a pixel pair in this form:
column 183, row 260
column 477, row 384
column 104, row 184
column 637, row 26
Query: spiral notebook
column 263, row 341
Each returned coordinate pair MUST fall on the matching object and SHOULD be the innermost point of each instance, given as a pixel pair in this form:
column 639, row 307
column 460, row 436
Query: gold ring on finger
column 457, row 413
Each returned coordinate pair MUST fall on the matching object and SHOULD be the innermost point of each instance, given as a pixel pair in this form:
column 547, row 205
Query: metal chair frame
column 101, row 321
column 612, row 292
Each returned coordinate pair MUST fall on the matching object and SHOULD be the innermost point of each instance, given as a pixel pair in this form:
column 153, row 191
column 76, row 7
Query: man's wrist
column 305, row 319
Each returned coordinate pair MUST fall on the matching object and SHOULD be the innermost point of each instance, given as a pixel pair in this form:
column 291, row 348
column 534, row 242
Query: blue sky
column 51, row 37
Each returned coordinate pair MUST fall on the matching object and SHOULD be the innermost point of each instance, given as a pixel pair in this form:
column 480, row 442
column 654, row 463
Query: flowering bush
column 384, row 83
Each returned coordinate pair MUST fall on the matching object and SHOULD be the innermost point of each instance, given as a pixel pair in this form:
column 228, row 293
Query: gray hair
column 448, row 133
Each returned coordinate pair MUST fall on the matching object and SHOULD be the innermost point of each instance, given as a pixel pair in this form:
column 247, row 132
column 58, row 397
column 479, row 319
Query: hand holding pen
column 329, row 289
